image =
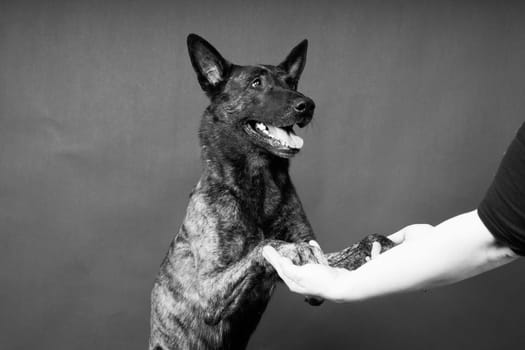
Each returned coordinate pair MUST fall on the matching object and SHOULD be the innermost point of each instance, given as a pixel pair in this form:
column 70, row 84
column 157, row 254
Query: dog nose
column 305, row 111
column 300, row 106
column 303, row 105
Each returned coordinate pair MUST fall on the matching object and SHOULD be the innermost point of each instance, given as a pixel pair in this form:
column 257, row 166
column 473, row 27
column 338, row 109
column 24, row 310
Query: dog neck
column 233, row 165
column 244, row 172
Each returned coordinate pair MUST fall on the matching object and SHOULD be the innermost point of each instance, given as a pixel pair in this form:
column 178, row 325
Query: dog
column 214, row 285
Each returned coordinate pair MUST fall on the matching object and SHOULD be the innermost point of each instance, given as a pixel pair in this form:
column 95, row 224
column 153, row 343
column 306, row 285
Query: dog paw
column 385, row 243
column 314, row 301
column 359, row 253
column 302, row 253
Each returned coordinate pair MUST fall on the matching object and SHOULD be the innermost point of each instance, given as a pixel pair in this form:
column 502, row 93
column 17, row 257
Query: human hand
column 311, row 280
column 408, row 233
column 315, row 280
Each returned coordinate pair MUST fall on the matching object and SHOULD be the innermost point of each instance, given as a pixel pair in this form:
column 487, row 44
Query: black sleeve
column 503, row 208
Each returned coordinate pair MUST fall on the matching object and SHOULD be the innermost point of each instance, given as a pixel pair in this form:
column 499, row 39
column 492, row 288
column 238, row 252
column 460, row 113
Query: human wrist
column 345, row 287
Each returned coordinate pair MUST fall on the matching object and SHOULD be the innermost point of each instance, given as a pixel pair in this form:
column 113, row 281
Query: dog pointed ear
column 295, row 61
column 210, row 66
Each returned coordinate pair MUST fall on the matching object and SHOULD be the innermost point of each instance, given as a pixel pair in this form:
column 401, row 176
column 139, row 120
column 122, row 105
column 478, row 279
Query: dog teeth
column 285, row 137
column 261, row 127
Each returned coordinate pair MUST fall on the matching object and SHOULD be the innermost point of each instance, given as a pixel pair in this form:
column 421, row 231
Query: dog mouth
column 282, row 139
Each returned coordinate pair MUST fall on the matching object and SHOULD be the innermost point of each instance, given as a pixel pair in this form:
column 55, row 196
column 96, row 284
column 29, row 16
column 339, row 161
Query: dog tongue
column 287, row 138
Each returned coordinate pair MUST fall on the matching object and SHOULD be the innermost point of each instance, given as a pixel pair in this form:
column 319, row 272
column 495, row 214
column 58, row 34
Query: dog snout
column 304, row 108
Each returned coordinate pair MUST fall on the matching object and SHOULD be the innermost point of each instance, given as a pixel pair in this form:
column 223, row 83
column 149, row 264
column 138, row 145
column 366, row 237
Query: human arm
column 461, row 247
column 426, row 257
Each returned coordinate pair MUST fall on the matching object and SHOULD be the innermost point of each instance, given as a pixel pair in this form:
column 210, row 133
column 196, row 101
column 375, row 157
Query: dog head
column 253, row 108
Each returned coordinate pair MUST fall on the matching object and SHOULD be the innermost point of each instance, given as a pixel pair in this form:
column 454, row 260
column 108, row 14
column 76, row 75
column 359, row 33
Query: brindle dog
column 214, row 284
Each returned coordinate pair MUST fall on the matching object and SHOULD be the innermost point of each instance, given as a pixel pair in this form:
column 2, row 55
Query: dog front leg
column 292, row 225
column 231, row 285
column 228, row 289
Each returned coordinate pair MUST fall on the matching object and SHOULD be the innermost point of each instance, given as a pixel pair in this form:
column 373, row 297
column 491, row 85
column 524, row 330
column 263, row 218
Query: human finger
column 283, row 266
column 290, row 274
column 318, row 253
column 376, row 250
column 397, row 237
column 273, row 257
column 314, row 243
column 409, row 232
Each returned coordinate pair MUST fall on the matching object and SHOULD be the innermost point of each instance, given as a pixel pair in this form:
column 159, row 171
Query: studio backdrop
column 99, row 110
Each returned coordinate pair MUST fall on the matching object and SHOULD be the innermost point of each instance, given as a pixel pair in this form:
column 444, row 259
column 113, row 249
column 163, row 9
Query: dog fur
column 214, row 284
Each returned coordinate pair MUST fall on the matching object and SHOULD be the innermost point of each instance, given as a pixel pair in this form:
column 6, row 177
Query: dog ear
column 210, row 66
column 295, row 61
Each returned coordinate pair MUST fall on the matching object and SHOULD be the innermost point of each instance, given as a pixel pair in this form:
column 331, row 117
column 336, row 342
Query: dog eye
column 256, row 82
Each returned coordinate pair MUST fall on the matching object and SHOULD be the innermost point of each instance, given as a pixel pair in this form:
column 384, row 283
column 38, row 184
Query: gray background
column 99, row 107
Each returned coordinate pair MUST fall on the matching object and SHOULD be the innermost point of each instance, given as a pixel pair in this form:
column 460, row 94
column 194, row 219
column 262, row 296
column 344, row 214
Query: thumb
column 314, row 243
column 376, row 250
